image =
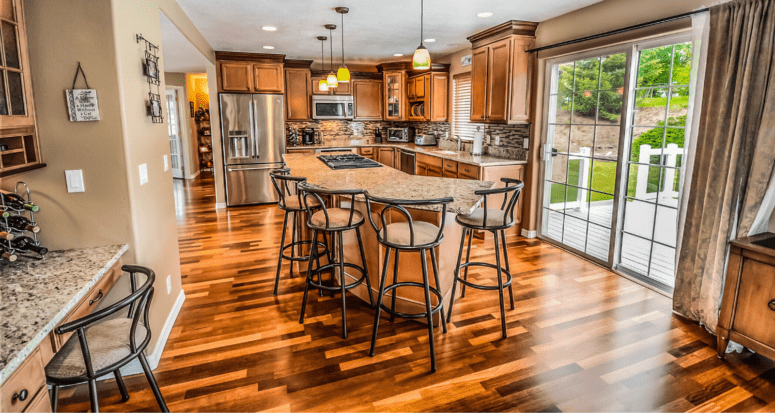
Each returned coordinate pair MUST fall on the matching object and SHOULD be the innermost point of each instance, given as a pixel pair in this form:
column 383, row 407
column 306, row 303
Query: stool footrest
column 479, row 286
column 411, row 315
column 336, row 265
column 303, row 257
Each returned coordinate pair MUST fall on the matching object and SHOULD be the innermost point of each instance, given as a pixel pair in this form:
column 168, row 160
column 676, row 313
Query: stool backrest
column 311, row 194
column 510, row 193
column 286, row 185
column 398, row 205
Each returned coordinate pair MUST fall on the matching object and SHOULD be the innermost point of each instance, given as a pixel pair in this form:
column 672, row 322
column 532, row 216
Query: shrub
column 653, row 137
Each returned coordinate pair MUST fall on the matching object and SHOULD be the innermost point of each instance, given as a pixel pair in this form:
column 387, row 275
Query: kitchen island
column 392, row 183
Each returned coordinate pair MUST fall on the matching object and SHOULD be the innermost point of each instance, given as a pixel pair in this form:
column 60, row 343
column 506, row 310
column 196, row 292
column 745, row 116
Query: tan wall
column 454, row 69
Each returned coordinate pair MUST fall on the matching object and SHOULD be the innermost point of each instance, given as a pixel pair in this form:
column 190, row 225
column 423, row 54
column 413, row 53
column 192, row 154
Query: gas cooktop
column 348, row 161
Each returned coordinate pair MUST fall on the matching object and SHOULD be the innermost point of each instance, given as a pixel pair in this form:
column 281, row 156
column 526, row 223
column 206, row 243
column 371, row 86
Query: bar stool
column 333, row 222
column 290, row 202
column 102, row 345
column 496, row 221
column 408, row 236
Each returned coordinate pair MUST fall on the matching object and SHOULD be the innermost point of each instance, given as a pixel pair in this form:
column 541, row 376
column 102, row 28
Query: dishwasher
column 407, row 161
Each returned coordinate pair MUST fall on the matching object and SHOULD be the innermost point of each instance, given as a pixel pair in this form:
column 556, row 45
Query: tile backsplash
column 511, row 136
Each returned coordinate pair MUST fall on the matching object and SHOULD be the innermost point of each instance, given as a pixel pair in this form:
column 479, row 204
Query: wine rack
column 9, row 249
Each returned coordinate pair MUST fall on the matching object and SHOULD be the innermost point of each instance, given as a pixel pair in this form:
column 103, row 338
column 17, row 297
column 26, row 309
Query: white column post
column 584, row 165
column 672, row 156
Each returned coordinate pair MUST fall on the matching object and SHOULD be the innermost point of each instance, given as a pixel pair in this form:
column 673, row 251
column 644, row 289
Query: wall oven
column 332, row 107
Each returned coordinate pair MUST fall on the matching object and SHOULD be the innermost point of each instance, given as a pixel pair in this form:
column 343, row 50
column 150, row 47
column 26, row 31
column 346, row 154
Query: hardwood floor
column 580, row 339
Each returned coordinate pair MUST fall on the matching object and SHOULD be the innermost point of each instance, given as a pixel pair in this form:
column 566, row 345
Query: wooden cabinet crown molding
column 297, row 64
column 250, row 57
column 503, row 30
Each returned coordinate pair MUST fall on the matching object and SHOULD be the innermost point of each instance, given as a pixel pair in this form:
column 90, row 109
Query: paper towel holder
column 477, row 147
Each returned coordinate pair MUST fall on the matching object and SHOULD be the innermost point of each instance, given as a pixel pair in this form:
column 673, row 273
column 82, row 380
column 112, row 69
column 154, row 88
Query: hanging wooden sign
column 82, row 104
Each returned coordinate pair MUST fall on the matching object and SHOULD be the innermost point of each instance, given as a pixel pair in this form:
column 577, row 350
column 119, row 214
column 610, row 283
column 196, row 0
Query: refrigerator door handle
column 254, row 169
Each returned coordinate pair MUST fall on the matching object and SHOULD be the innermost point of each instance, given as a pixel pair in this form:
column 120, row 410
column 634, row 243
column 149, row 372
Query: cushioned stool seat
column 292, row 202
column 398, row 233
column 108, row 344
column 337, row 218
column 494, row 218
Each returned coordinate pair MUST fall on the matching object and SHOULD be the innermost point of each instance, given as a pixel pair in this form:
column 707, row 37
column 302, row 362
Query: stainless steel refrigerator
column 253, row 134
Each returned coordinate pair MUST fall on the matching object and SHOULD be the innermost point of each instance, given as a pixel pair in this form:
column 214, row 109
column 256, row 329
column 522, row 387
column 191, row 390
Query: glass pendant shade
column 421, row 59
column 343, row 74
column 323, row 85
column 331, row 80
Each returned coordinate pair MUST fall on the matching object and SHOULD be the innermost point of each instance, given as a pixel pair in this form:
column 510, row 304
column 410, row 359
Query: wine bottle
column 6, row 235
column 22, row 224
column 28, row 244
column 17, row 202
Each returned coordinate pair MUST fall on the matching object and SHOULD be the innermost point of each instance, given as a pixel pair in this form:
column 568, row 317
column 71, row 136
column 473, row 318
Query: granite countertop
column 459, row 156
column 390, row 183
column 37, row 295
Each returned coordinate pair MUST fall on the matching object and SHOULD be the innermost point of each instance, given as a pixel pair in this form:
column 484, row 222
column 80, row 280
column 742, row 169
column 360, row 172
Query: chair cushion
column 398, row 233
column 494, row 218
column 337, row 218
column 108, row 344
column 292, row 202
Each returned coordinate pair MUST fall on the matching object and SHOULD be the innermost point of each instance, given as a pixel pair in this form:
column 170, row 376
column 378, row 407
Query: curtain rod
column 617, row 31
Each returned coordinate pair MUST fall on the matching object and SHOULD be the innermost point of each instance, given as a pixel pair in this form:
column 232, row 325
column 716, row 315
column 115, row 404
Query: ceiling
column 374, row 29
column 178, row 53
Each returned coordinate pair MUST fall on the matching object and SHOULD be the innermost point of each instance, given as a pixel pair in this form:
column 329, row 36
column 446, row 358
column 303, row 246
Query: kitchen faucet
column 459, row 143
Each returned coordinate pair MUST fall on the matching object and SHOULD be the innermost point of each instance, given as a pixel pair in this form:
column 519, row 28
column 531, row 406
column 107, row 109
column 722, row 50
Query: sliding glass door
column 614, row 141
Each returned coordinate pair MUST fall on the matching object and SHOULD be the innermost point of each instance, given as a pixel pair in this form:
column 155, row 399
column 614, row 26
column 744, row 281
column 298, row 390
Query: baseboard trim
column 134, row 366
column 193, row 176
column 220, row 205
column 528, row 234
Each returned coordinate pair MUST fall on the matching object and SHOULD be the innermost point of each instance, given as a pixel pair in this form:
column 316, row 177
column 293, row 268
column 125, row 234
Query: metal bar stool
column 496, row 221
column 290, row 202
column 102, row 346
column 409, row 236
column 333, row 221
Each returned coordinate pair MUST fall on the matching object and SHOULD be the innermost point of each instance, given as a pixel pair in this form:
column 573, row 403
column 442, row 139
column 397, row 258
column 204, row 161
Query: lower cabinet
column 386, row 156
column 366, row 152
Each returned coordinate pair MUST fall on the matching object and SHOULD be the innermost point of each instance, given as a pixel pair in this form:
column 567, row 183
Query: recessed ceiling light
column 429, row 40
column 484, row 14
column 269, row 28
column 398, row 54
column 269, row 47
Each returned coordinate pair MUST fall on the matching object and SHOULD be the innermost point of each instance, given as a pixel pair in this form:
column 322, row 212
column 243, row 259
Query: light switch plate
column 169, row 284
column 166, row 164
column 75, row 181
column 143, row 174
column 526, row 143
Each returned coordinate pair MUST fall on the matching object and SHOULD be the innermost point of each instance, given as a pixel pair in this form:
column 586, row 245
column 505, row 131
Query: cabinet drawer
column 429, row 160
column 465, row 170
column 754, row 317
column 29, row 377
column 366, row 151
column 434, row 171
column 450, row 166
column 41, row 403
column 89, row 301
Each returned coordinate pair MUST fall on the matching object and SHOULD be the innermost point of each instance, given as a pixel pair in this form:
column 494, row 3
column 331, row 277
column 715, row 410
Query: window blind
column 461, row 108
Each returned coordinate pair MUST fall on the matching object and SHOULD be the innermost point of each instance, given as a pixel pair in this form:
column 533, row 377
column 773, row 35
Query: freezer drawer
column 250, row 184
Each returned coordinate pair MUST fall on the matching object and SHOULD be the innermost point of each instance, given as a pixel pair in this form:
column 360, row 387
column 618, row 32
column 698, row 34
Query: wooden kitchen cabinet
column 747, row 313
column 268, row 78
column 29, row 378
column 297, row 94
column 501, row 73
column 395, row 98
column 343, row 88
column 429, row 91
column 367, row 98
column 314, row 85
column 386, row 156
column 250, row 72
column 427, row 165
column 366, row 152
column 236, row 77
column 450, row 168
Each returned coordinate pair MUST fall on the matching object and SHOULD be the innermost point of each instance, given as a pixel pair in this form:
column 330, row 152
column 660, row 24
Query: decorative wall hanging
column 191, row 107
column 82, row 103
column 151, row 70
column 465, row 60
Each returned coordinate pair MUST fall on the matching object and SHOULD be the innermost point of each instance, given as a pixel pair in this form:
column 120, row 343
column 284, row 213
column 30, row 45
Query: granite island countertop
column 459, row 156
column 389, row 183
column 37, row 295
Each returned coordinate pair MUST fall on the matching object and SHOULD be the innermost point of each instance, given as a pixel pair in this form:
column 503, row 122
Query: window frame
column 464, row 119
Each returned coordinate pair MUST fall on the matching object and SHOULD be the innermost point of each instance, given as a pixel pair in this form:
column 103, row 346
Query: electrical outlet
column 169, row 284
column 143, row 174
column 497, row 140
column 487, row 138
column 526, row 143
column 166, row 164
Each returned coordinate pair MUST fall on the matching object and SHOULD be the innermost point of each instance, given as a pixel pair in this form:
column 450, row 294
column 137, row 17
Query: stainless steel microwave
column 332, row 107
column 398, row 134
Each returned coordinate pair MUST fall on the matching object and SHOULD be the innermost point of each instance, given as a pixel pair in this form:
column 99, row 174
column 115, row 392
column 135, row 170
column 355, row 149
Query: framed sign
column 465, row 60
column 191, row 107
column 155, row 108
column 82, row 105
column 151, row 68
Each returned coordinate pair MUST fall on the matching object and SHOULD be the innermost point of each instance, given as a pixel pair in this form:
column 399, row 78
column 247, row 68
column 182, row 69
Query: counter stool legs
column 500, row 283
column 95, row 404
column 395, row 281
column 468, row 259
column 121, row 386
column 506, row 259
column 342, row 283
column 428, row 310
column 379, row 301
column 363, row 261
column 280, row 255
column 435, row 263
column 152, row 383
column 54, row 398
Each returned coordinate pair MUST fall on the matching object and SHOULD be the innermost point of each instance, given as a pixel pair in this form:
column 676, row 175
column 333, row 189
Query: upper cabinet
column 367, row 97
column 428, row 97
column 343, row 88
column 395, row 98
column 250, row 72
column 297, row 94
column 18, row 135
column 501, row 73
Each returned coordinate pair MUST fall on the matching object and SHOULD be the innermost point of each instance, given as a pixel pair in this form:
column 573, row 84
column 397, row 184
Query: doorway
column 177, row 153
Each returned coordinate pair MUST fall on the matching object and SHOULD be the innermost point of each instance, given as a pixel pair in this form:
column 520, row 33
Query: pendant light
column 421, row 59
column 343, row 74
column 331, row 80
column 322, row 85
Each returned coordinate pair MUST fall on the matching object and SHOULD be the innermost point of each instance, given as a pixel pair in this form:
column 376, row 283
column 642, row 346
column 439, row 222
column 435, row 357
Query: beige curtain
column 733, row 162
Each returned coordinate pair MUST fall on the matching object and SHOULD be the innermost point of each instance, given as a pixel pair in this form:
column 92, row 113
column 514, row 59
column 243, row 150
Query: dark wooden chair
column 495, row 220
column 102, row 345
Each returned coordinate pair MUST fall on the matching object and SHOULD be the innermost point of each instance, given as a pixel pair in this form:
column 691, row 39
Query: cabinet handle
column 21, row 396
column 772, row 305
column 482, row 116
column 99, row 297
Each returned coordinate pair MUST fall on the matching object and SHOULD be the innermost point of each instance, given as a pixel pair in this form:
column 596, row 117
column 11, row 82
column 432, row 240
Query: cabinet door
column 315, row 81
column 394, row 96
column 343, row 89
column 435, row 171
column 268, row 77
column 386, row 157
column 498, row 79
column 521, row 75
column 367, row 95
column 420, row 86
column 411, row 93
column 297, row 92
column 236, row 77
column 753, row 316
column 439, row 97
column 420, row 169
column 479, row 84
